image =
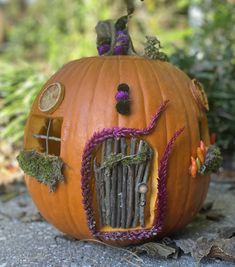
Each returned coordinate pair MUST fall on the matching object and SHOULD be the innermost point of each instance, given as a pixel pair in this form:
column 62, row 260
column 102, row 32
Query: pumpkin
column 146, row 150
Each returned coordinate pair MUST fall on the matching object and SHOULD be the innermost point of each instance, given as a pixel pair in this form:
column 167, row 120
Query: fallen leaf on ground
column 223, row 249
column 8, row 196
column 214, row 215
column 208, row 248
column 156, row 249
column 22, row 204
column 206, row 207
column 201, row 248
column 65, row 237
column 227, row 232
column 28, row 218
column 185, row 245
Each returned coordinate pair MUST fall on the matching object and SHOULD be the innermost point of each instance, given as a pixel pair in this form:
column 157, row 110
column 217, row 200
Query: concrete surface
column 27, row 243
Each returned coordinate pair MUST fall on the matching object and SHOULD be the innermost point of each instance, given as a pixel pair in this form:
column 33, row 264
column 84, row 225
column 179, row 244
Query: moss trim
column 46, row 169
column 213, row 160
column 152, row 49
column 126, row 160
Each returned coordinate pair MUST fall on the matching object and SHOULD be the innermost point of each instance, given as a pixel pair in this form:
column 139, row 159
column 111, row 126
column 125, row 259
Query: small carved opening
column 49, row 136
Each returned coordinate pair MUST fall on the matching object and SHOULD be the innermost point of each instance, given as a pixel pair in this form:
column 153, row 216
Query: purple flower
column 122, row 43
column 104, row 48
column 120, row 96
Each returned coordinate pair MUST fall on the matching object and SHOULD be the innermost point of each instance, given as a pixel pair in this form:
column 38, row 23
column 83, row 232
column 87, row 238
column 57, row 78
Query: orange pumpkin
column 75, row 117
column 89, row 106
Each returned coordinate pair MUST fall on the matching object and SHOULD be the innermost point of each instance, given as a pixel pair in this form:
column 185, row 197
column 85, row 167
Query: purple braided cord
column 115, row 132
column 162, row 175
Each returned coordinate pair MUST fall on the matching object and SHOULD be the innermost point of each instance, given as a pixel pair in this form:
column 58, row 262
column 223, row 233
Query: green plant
column 18, row 88
column 210, row 57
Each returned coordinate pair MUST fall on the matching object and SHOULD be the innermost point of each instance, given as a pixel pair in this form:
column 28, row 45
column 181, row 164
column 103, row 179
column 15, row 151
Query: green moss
column 47, row 169
column 213, row 160
column 113, row 159
column 152, row 49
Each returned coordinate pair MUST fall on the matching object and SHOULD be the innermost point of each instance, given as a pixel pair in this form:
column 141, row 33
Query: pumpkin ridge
column 204, row 181
column 45, row 198
column 156, row 78
column 190, row 182
column 63, row 194
column 173, row 182
column 141, row 90
column 66, row 72
column 152, row 200
column 161, row 92
column 68, row 114
column 91, row 103
column 120, row 81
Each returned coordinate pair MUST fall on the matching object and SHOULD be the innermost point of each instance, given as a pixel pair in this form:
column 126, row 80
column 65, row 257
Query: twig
column 130, row 185
column 107, row 174
column 143, row 194
column 48, row 132
column 98, row 194
column 138, row 180
column 116, row 248
column 119, row 195
column 114, row 187
column 41, row 136
column 102, row 189
column 124, row 185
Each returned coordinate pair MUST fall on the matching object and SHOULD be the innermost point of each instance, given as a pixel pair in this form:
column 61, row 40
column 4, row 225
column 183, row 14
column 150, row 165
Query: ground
column 26, row 240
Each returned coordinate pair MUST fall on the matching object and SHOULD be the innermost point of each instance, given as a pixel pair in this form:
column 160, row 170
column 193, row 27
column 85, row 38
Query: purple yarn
column 122, row 43
column 162, row 175
column 122, row 40
column 121, row 46
column 120, row 50
column 99, row 137
column 121, row 33
column 104, row 48
column 121, row 95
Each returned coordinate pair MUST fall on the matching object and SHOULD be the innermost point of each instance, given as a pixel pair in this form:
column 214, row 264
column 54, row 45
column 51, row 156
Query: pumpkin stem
column 113, row 37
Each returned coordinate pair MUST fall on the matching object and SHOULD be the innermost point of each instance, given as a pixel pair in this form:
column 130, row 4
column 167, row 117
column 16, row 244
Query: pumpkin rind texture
column 89, row 106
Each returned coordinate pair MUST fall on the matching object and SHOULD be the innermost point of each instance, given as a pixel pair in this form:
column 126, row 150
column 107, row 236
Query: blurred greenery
column 209, row 55
column 37, row 37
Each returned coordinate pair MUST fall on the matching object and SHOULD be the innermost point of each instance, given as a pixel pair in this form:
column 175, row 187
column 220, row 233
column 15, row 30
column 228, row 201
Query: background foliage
column 37, row 37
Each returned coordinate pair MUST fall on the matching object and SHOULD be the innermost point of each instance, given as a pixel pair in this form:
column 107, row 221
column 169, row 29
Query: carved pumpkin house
column 121, row 140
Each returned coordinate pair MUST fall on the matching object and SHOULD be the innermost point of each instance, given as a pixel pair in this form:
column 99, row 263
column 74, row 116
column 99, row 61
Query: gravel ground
column 26, row 241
